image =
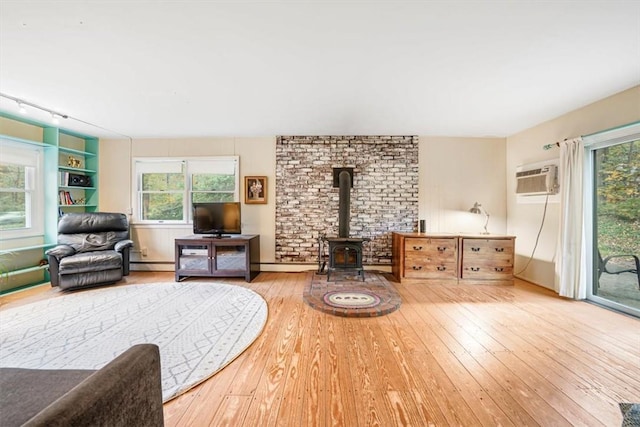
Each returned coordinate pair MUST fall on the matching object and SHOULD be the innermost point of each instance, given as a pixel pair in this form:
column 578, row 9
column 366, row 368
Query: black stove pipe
column 344, row 203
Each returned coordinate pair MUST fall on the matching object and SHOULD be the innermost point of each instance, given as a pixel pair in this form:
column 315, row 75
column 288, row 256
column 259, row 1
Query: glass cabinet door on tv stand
column 206, row 256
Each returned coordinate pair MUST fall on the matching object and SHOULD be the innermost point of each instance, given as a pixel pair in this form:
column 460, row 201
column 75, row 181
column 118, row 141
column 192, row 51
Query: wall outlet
column 144, row 251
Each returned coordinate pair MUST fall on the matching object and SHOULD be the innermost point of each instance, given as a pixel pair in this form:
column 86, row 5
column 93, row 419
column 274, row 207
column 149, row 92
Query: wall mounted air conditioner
column 537, row 180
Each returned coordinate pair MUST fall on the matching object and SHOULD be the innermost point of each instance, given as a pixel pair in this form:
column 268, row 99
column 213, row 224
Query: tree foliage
column 618, row 174
column 164, row 193
column 12, row 203
column 618, row 197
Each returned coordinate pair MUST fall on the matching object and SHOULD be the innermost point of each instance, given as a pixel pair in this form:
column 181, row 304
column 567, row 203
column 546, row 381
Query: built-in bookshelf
column 70, row 172
column 77, row 163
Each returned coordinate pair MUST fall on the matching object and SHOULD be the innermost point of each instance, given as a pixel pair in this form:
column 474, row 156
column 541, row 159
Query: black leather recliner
column 93, row 249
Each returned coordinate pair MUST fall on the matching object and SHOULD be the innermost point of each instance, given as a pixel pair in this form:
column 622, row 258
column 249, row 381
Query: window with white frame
column 166, row 187
column 21, row 190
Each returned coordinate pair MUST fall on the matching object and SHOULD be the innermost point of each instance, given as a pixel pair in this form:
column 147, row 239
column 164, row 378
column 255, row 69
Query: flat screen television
column 216, row 218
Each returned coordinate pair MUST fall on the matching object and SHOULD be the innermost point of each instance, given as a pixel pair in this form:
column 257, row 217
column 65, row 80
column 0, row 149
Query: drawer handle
column 499, row 249
column 475, row 268
column 417, row 248
column 417, row 267
column 475, row 249
column 442, row 248
column 499, row 268
column 441, row 268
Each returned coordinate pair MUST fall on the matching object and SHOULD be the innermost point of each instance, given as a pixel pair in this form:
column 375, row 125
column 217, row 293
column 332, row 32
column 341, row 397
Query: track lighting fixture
column 22, row 108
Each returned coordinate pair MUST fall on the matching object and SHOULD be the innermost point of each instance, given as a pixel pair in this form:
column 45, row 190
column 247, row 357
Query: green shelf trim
column 70, row 169
column 23, row 287
column 23, row 119
column 76, row 152
column 39, row 144
column 27, row 248
column 76, row 187
column 55, row 145
column 76, row 134
column 45, row 125
column 26, row 270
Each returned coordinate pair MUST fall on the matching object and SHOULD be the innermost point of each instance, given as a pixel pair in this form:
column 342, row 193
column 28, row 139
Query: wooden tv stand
column 208, row 256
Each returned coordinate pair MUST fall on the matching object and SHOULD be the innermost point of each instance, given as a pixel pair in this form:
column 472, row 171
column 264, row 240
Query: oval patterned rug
column 349, row 296
column 200, row 328
column 351, row 299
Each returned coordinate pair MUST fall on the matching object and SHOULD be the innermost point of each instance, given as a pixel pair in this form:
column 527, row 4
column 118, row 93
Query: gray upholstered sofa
column 125, row 392
column 93, row 249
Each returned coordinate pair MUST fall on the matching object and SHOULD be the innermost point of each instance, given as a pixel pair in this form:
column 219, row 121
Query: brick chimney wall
column 384, row 197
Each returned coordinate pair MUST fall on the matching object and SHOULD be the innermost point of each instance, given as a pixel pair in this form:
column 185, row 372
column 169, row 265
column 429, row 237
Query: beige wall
column 454, row 172
column 523, row 220
column 257, row 157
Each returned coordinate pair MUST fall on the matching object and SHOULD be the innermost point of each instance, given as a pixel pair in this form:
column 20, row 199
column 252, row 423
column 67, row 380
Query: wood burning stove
column 345, row 253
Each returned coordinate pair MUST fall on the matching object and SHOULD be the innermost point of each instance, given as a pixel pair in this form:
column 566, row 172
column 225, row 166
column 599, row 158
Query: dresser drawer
column 487, row 271
column 430, row 248
column 430, row 270
column 487, row 259
column 430, row 258
column 487, row 248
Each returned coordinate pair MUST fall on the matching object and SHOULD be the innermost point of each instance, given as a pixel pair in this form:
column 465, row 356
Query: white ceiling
column 263, row 68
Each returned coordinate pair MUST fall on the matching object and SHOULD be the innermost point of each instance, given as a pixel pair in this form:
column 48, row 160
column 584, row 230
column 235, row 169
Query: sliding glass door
column 615, row 187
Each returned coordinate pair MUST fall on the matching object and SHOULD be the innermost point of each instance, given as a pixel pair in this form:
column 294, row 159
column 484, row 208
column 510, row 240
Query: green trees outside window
column 617, row 170
column 162, row 196
column 212, row 188
column 167, row 187
column 13, row 197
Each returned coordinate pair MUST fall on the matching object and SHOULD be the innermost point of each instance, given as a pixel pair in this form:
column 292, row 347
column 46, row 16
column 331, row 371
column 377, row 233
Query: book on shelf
column 65, row 198
column 63, row 178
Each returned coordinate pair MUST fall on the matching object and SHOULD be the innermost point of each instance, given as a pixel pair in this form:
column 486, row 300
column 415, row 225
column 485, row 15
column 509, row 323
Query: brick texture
column 384, row 197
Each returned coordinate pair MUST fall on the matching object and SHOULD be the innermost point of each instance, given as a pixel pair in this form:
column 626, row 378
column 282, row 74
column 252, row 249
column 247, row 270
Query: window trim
column 31, row 157
column 592, row 143
column 187, row 190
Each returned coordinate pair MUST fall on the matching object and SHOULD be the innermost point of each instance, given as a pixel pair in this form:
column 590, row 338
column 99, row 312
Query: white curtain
column 570, row 272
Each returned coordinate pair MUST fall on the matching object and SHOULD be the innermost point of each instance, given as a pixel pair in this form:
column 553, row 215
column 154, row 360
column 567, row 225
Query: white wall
column 454, row 173
column 523, row 220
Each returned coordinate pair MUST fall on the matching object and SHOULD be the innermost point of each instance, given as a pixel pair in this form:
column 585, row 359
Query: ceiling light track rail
column 22, row 104
column 55, row 115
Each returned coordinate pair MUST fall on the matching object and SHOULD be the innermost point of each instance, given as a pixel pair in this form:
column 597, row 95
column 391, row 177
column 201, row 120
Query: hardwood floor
column 451, row 355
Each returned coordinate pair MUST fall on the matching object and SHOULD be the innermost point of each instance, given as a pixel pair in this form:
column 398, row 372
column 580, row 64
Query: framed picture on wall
column 255, row 190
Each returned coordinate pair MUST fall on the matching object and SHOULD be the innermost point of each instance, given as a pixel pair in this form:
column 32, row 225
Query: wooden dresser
column 486, row 259
column 424, row 256
column 465, row 258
